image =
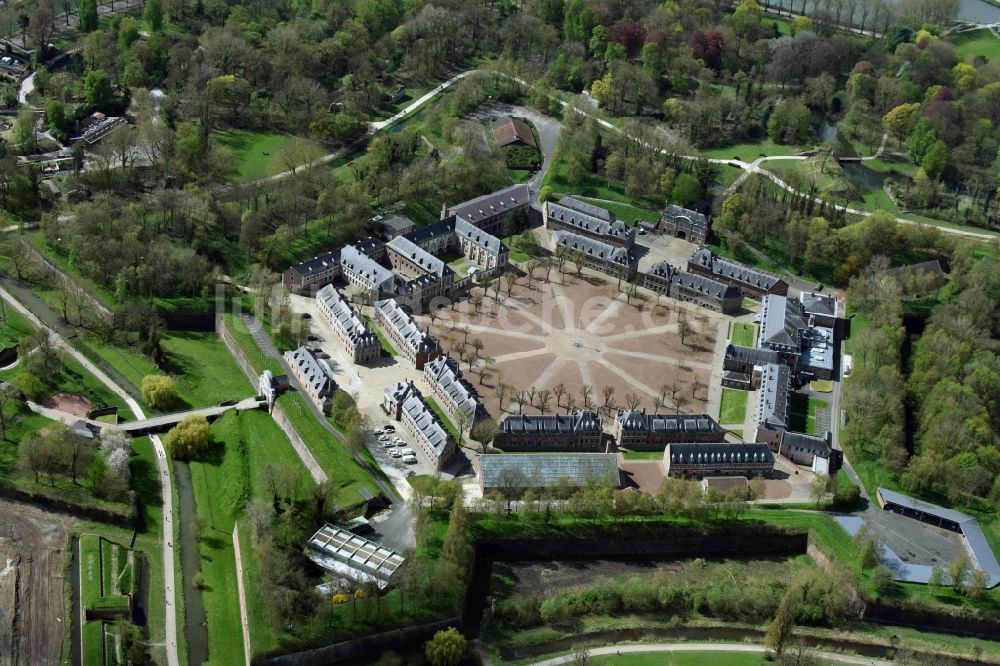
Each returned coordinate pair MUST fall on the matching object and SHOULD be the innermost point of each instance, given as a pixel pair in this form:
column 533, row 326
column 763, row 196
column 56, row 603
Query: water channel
column 194, row 619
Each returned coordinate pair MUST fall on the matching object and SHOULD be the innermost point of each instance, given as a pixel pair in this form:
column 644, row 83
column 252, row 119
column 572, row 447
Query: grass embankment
column 330, row 452
column 263, row 154
column 13, row 327
column 626, row 212
column 743, row 334
column 203, row 371
column 443, row 418
column 245, row 341
column 246, row 445
column 641, row 455
column 679, row 659
column 733, row 407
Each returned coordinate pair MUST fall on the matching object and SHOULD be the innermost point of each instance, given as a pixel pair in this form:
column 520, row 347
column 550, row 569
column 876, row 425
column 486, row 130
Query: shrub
column 190, row 438
column 159, row 391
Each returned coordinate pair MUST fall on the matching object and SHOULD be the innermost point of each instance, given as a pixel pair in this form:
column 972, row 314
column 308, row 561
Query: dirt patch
column 71, row 403
column 777, row 489
column 531, row 578
column 31, row 585
column 646, row 475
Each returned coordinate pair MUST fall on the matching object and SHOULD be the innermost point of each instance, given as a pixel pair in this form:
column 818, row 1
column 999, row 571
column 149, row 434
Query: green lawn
column 57, row 257
column 387, row 348
column 93, row 641
column 259, row 154
column 748, row 152
column 14, row 327
column 823, row 172
column 977, row 43
column 102, row 573
column 442, row 417
column 520, row 175
column 642, row 455
column 245, row 341
column 743, row 334
column 626, row 212
column 247, row 443
column 803, row 413
column 733, row 408
column 679, row 659
column 737, row 431
column 202, row 368
column 331, row 453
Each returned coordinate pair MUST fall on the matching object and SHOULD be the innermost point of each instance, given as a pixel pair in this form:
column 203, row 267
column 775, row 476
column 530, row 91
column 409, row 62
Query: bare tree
column 632, row 401
column 520, row 398
column 684, row 329
column 696, row 386
column 586, row 396
column 609, row 398
column 470, row 357
column 502, row 392
column 570, row 403
column 510, row 277
column 477, row 345
column 465, row 330
column 681, row 402
column 559, row 391
column 544, row 398
column 477, row 302
column 531, row 395
column 462, row 423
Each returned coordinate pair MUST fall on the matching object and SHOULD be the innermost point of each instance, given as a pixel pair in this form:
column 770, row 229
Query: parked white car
column 395, row 453
column 410, row 460
column 383, row 438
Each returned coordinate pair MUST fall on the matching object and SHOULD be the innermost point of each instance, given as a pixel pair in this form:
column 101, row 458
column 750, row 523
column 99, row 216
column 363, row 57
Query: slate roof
column 422, row 258
column 477, row 236
column 318, row 263
column 508, row 130
column 751, row 355
column 395, row 221
column 495, row 203
column 587, row 208
column 582, row 216
column 705, row 285
column 440, row 228
column 425, row 422
column 781, row 322
column 733, row 270
column 719, row 453
column 663, row 270
column 359, row 263
column 414, row 338
column 544, row 469
column 444, row 372
column 579, row 420
column 773, row 397
column 700, row 423
column 820, row 304
column 593, row 248
column 351, row 324
column 818, row 446
column 671, row 211
column 315, row 371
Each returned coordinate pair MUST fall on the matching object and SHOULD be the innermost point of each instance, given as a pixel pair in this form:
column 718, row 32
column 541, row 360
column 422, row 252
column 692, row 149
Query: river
column 978, row 11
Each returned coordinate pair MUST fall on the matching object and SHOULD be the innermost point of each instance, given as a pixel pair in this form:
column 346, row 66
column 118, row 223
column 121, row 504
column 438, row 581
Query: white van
column 410, row 460
column 408, row 452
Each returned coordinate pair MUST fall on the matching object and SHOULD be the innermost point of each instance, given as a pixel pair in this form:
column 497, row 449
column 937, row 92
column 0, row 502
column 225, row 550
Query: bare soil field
column 71, row 403
column 532, row 577
column 646, row 475
column 32, row 542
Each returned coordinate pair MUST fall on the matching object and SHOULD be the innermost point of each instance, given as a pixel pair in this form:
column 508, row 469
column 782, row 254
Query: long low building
column 640, row 431
column 360, row 344
column 418, row 346
column 404, row 403
column 773, row 402
column 616, row 261
column 667, row 279
column 752, row 282
column 315, row 376
column 451, row 391
column 579, row 217
column 579, row 431
column 718, row 459
column 344, row 553
column 816, row 453
column 514, row 473
column 488, row 211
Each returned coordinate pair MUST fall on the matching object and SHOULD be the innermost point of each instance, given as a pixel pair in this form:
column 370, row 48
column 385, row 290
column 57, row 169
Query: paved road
column 706, row 647
column 140, row 427
column 170, row 626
